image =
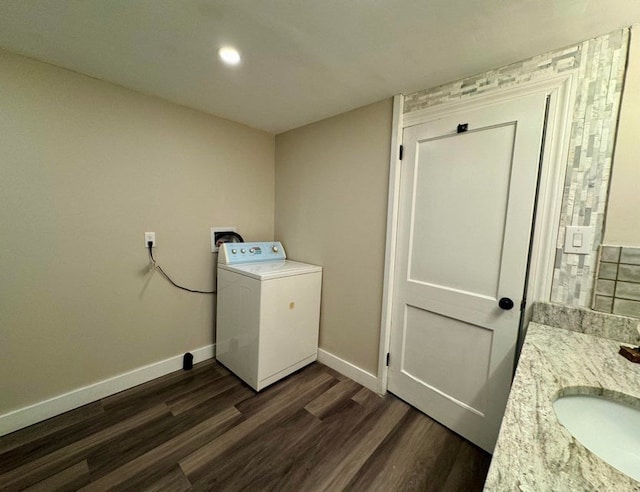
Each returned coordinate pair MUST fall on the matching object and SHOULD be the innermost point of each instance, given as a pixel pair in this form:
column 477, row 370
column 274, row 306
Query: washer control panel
column 233, row 253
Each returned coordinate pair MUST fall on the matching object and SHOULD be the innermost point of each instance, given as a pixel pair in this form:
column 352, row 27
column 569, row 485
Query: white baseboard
column 43, row 410
column 348, row 369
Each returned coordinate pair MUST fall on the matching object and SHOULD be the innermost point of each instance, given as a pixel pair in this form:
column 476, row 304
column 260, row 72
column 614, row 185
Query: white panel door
column 464, row 225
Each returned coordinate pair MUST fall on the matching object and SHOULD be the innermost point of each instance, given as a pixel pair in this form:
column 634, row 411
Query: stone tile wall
column 618, row 281
column 599, row 66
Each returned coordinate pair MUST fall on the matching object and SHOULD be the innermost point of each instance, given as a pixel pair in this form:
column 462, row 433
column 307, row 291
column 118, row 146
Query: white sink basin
column 605, row 426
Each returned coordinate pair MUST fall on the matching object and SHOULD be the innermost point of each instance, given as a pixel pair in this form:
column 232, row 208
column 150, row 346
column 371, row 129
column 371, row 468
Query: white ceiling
column 303, row 60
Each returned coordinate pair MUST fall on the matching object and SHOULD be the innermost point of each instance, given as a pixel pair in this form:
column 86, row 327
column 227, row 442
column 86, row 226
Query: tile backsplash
column 617, row 288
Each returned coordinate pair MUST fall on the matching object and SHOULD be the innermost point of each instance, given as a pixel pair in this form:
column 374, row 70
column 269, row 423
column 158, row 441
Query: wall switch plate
column 150, row 236
column 578, row 239
column 215, row 231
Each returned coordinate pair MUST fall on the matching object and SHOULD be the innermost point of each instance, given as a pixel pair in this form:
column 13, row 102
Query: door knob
column 505, row 303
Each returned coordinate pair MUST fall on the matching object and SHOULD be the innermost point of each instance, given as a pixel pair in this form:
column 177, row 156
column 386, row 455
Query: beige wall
column 332, row 180
column 623, row 212
column 85, row 169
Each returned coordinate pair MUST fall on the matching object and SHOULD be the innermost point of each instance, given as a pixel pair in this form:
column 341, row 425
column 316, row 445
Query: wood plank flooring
column 205, row 430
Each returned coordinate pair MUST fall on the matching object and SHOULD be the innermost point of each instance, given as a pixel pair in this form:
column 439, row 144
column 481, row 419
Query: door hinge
column 401, row 153
column 388, row 359
column 523, row 304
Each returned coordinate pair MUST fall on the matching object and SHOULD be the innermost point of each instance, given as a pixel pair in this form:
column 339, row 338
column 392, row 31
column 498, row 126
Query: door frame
column 560, row 91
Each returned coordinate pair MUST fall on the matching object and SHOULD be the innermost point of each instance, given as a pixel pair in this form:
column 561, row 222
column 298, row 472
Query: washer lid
column 267, row 270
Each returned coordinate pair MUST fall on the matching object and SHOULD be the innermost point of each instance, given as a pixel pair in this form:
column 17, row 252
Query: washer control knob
column 234, row 251
column 274, row 248
column 243, row 251
column 252, row 250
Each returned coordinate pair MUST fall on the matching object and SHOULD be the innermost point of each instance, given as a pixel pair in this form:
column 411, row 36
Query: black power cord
column 165, row 275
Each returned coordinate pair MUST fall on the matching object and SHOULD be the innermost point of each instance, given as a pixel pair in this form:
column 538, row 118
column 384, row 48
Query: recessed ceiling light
column 229, row 55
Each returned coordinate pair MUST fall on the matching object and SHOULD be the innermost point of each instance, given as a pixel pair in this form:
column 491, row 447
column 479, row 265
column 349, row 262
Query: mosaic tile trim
column 599, row 65
column 535, row 68
column 621, row 328
column 617, row 287
column 600, row 79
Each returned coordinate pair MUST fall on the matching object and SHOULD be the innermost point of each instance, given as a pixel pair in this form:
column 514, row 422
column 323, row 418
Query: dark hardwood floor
column 206, row 430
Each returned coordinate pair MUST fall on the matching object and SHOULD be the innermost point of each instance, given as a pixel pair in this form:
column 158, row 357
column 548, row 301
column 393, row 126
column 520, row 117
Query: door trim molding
column 391, row 239
column 561, row 91
column 546, row 85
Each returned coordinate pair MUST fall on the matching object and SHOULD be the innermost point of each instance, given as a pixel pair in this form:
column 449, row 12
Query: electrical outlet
column 149, row 236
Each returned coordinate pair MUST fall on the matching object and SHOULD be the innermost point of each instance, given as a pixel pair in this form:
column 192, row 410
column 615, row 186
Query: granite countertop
column 534, row 451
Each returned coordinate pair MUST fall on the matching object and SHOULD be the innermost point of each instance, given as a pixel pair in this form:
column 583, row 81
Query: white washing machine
column 268, row 312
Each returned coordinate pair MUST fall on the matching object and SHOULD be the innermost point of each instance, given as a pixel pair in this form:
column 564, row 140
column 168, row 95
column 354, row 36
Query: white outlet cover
column 214, row 248
column 149, row 236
